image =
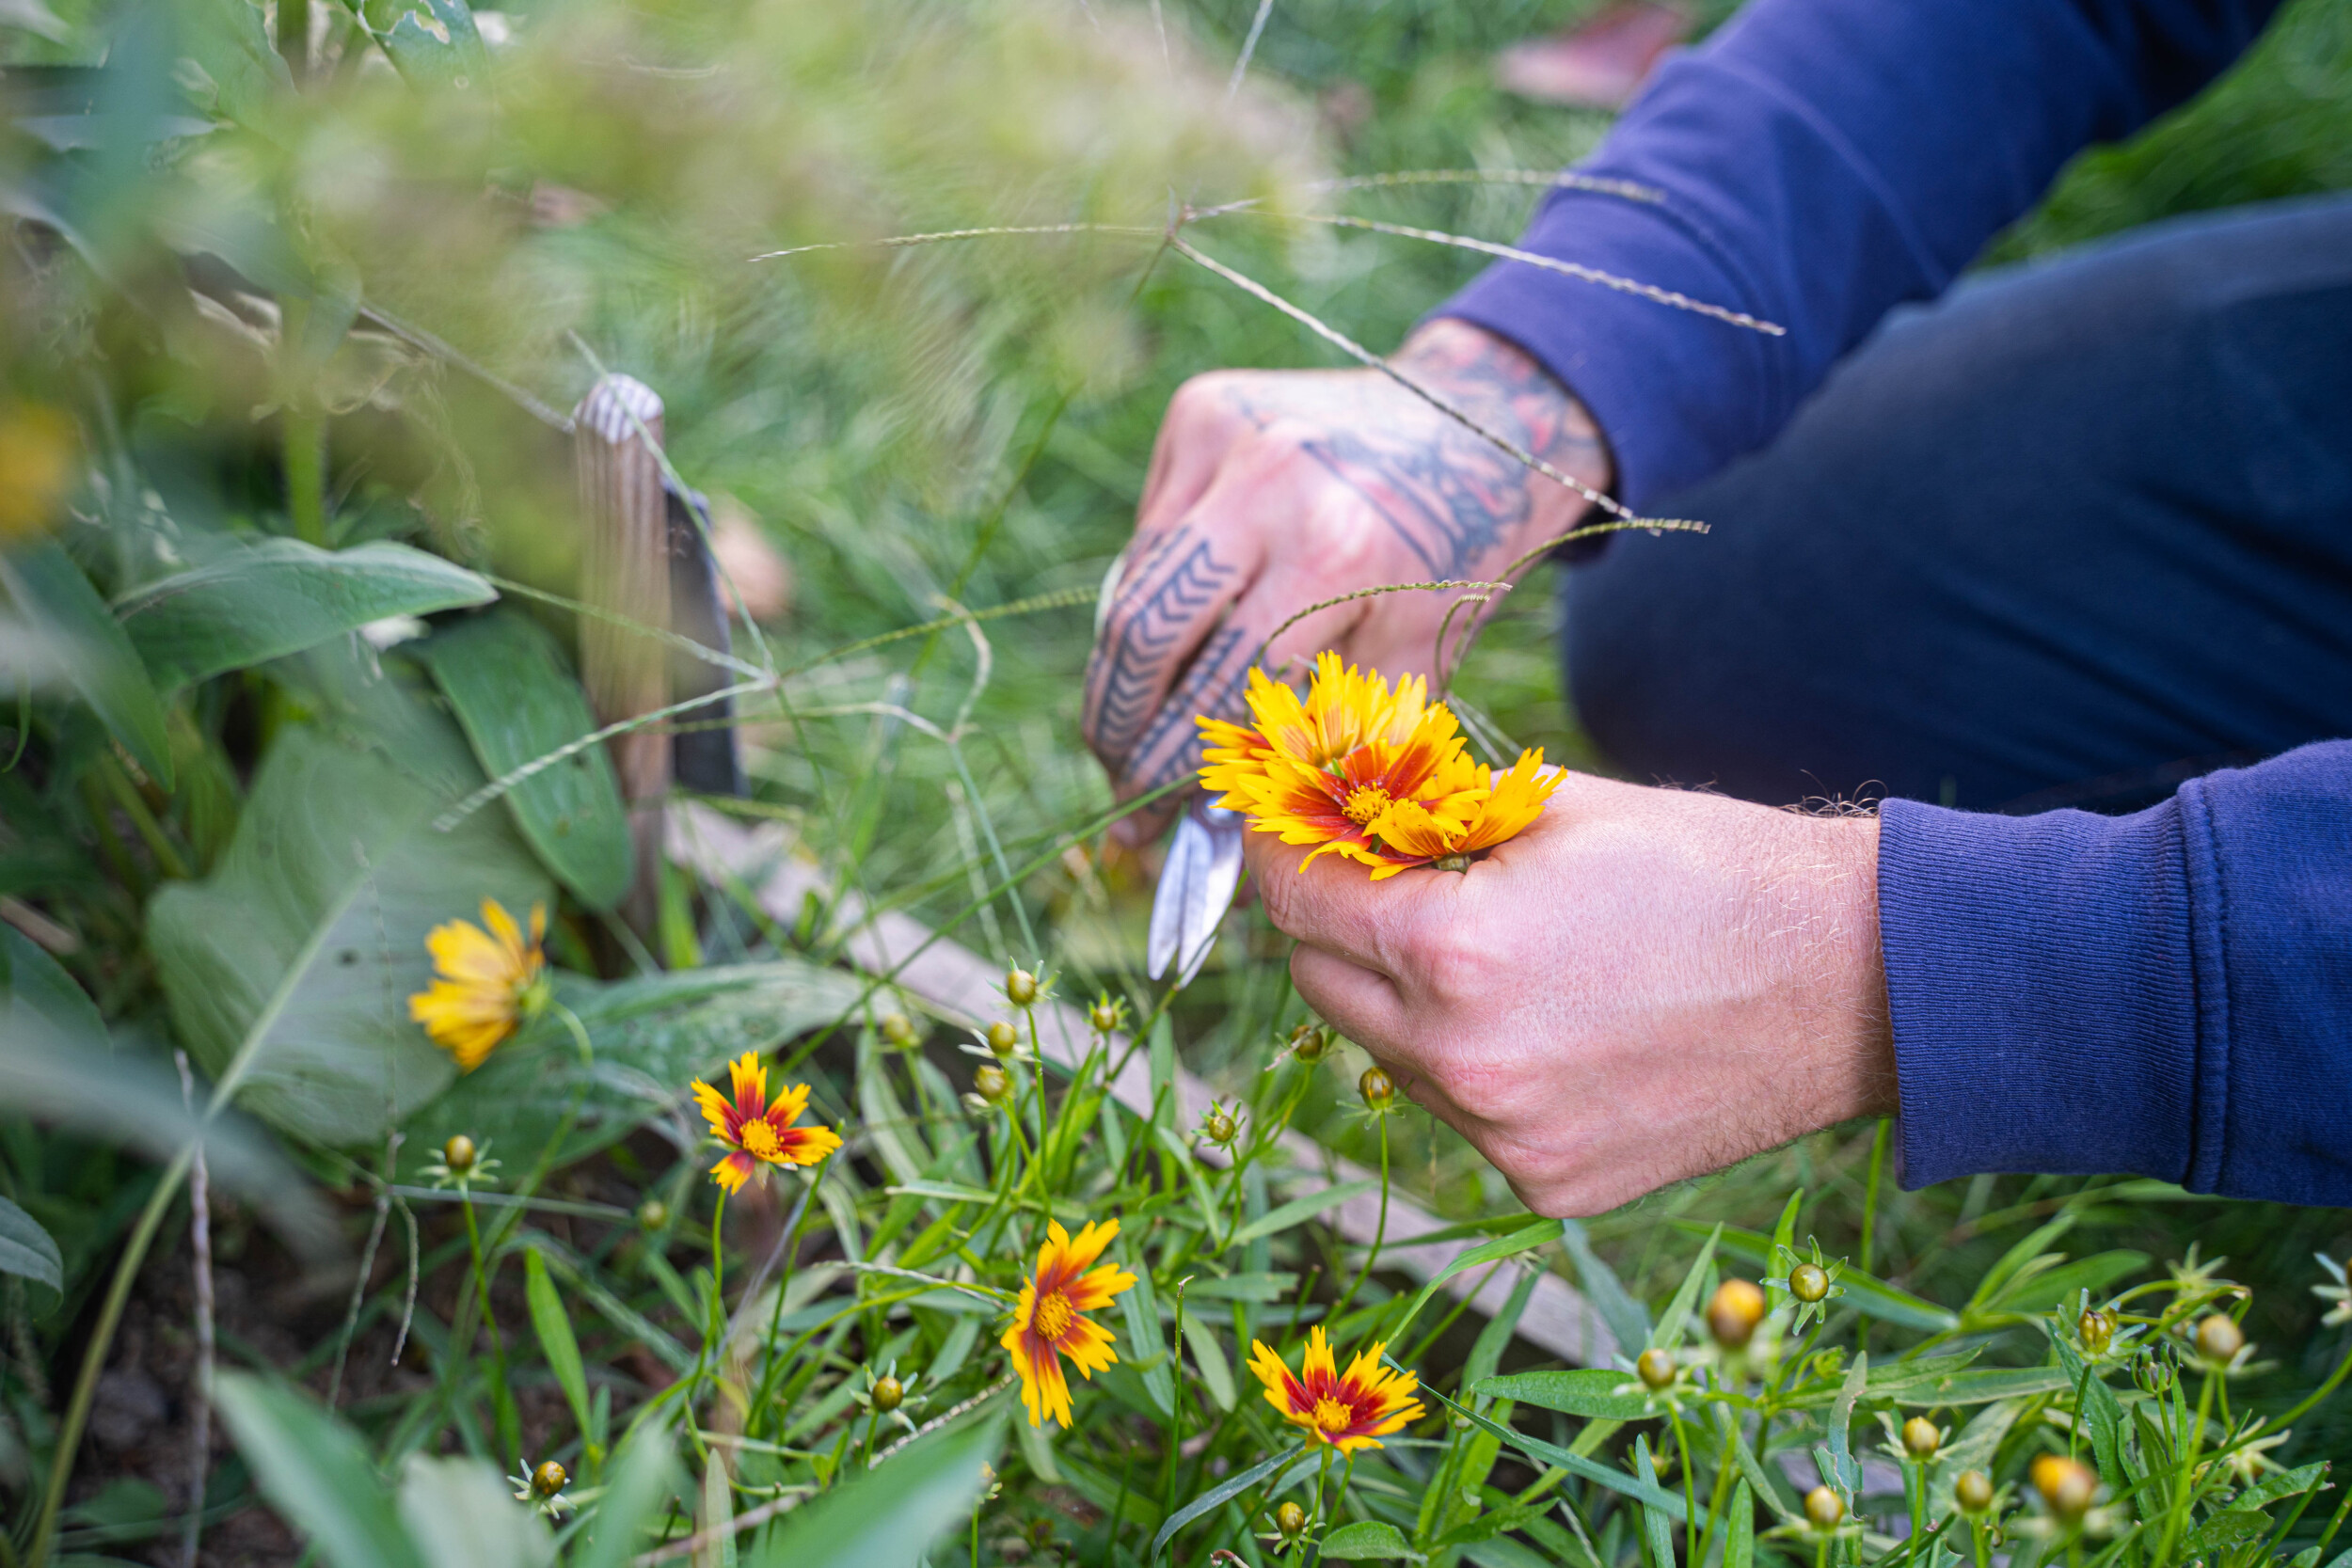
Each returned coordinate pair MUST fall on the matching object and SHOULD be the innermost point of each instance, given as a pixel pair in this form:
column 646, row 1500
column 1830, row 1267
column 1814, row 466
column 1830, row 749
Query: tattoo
column 1451, row 499
column 1174, row 581
column 1171, row 747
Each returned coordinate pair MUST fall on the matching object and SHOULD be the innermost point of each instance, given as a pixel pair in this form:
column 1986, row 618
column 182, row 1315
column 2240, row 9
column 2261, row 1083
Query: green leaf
column 556, row 1340
column 641, row 1476
column 1369, row 1541
column 518, row 700
column 278, row 597
column 653, row 1036
column 1644, row 1492
column 1142, row 1313
column 2062, row 1283
column 230, row 40
column 1656, row 1527
column 28, row 1251
column 891, row 1514
column 62, row 608
column 2015, row 1260
column 2099, row 1410
column 314, row 1470
column 462, row 1516
column 30, row 980
column 1628, row 1318
column 1259, row 1286
column 2287, row 1483
column 1739, row 1544
column 1872, row 1298
column 447, row 54
column 1487, row 1354
column 1784, row 1242
column 1587, row 1392
column 1225, row 1491
column 2224, row 1530
column 335, row 867
column 1208, row 1354
column 1846, row 1470
column 1495, row 1251
column 1676, row 1320
column 1299, row 1210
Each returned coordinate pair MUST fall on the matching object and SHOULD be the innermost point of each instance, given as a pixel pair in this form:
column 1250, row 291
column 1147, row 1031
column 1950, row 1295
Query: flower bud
column 1825, row 1508
column 1217, row 1127
column 1020, row 986
column 1808, row 1282
column 1103, row 1015
column 2220, row 1338
column 1738, row 1306
column 548, row 1479
column 888, row 1393
column 653, row 1214
column 1921, row 1438
column 1377, row 1088
column 1003, row 1038
column 2097, row 1330
column 1655, row 1367
column 1290, row 1519
column 1973, row 1491
column 990, row 1083
column 2067, row 1485
column 899, row 1030
column 1308, row 1043
column 458, row 1154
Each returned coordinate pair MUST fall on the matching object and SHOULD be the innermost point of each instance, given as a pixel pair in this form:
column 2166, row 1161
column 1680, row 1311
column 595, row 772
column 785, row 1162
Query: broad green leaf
column 518, row 701
column 33, row 981
column 1299, row 1210
column 892, row 1514
column 1872, row 1298
column 1369, row 1541
column 1208, row 1354
column 448, row 53
column 1627, row 1320
column 230, row 40
column 641, row 1481
column 2224, row 1530
column 315, row 1472
column 278, row 597
column 462, row 1516
column 653, row 1036
column 1592, row 1392
column 556, row 1339
column 1227, row 1490
column 335, row 867
column 1493, row 1252
column 59, row 605
column 28, row 1251
column 1676, row 1320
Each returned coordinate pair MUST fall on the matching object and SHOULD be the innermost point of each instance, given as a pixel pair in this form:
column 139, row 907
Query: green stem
column 2313, row 1399
column 1176, row 1438
column 1870, row 1217
column 306, row 470
column 2174, row 1514
column 1690, row 1492
column 94, row 1359
column 502, row 1397
column 1380, row 1232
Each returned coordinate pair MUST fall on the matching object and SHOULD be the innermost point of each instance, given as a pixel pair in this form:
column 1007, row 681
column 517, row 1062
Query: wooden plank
column 962, row 987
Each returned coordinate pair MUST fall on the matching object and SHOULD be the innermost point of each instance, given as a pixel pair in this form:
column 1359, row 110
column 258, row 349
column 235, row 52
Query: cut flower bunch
column 1380, row 777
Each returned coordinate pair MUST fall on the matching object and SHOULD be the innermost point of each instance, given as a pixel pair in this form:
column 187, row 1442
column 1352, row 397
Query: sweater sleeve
column 2167, row 993
column 1817, row 163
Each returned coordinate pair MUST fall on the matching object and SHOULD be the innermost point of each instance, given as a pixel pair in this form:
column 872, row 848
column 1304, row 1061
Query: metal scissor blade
column 1196, row 888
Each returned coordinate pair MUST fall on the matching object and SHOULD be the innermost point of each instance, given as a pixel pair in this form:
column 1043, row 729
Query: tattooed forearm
column 1454, row 501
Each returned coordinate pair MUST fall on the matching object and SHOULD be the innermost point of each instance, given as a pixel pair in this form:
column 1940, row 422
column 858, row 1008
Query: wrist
column 1508, row 392
column 1840, row 976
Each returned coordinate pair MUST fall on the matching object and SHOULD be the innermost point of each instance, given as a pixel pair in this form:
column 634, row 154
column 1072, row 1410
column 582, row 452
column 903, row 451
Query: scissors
column 1203, row 865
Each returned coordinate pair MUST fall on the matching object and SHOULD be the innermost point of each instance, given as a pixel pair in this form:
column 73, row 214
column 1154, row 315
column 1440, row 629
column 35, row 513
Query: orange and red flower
column 1349, row 1411
column 1050, row 1319
column 1379, row 777
column 756, row 1132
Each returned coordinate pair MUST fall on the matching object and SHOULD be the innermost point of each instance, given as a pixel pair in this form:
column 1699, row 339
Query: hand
column 1646, row 984
column 1272, row 490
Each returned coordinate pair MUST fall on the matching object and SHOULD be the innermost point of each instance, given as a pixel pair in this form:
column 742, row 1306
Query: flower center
column 759, row 1138
column 1053, row 1317
column 1331, row 1416
column 1364, row 804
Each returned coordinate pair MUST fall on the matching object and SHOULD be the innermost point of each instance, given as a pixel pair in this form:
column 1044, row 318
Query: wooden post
column 624, row 569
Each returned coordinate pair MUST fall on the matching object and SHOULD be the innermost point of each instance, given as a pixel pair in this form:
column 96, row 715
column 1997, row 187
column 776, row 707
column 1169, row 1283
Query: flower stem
column 1379, row 1231
column 502, row 1397
column 2313, row 1399
column 2175, row 1514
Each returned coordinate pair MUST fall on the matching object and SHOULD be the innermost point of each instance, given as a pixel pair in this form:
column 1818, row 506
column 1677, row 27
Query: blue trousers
column 2075, row 531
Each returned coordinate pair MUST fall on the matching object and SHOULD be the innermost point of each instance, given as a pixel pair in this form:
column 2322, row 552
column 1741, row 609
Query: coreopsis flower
column 1049, row 1320
column 756, row 1132
column 1349, row 1411
column 543, row 1488
column 1376, row 776
column 487, row 982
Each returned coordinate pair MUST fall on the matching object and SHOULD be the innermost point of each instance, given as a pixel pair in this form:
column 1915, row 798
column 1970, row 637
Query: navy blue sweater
column 2169, row 993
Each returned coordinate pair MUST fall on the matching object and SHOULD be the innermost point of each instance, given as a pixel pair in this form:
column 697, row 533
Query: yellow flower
column 36, row 453
column 1348, row 1411
column 1049, row 1320
column 756, row 1132
column 1379, row 777
column 486, row 984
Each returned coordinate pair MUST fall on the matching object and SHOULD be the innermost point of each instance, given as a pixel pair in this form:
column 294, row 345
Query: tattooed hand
column 1273, row 490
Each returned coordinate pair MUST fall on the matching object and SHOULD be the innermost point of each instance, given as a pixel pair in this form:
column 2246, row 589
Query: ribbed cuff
column 2040, row 977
